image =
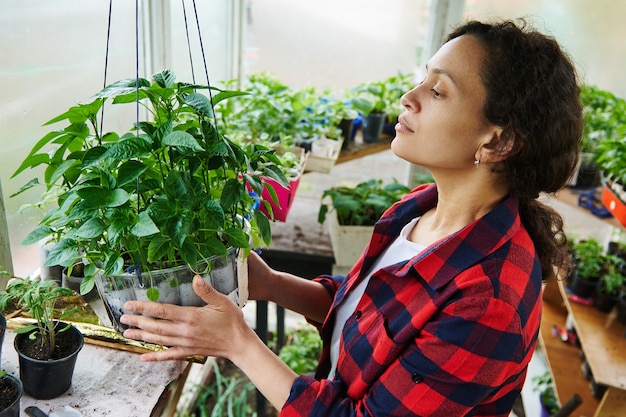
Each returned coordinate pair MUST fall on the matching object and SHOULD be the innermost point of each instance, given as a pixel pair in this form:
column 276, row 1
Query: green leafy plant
column 302, row 350
column 280, row 116
column 171, row 190
column 38, row 299
column 272, row 112
column 225, row 396
column 361, row 205
column 604, row 117
column 589, row 258
column 369, row 97
column 611, row 158
column 612, row 279
column 382, row 96
column 396, row 86
column 544, row 386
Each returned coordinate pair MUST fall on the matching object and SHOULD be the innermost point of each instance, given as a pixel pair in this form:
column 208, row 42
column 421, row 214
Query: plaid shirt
column 448, row 333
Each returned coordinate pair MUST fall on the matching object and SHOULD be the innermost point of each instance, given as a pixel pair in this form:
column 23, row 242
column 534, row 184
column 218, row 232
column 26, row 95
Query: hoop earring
column 477, row 163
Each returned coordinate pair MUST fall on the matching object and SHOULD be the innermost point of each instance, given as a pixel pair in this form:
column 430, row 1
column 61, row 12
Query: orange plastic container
column 614, row 204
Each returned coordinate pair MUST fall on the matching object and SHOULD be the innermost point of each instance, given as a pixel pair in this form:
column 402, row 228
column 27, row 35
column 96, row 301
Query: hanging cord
column 106, row 68
column 137, row 185
column 206, row 69
column 193, row 73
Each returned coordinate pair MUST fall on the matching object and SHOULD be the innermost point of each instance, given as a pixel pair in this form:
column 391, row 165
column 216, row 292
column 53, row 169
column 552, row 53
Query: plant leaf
column 145, row 226
column 129, row 171
column 165, row 78
column 158, row 248
column 182, row 140
column 232, row 193
column 129, row 148
column 200, row 103
column 64, row 253
column 41, row 232
column 91, row 229
column 97, row 197
column 236, row 237
column 122, row 87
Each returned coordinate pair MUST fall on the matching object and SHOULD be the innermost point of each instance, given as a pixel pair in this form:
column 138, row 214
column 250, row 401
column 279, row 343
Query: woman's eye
column 435, row 93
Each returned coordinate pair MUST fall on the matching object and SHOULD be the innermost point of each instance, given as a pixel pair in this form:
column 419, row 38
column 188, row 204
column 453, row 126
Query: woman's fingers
column 205, row 330
column 160, row 332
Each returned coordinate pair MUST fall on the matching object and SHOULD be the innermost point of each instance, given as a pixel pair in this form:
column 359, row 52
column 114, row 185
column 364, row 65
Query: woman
column 440, row 315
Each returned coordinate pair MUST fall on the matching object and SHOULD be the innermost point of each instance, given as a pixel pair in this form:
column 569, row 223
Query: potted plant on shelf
column 11, row 391
column 611, row 158
column 395, row 87
column 604, row 115
column 368, row 99
column 588, row 263
column 48, row 348
column 270, row 115
column 353, row 211
column 547, row 398
column 173, row 193
column 610, row 284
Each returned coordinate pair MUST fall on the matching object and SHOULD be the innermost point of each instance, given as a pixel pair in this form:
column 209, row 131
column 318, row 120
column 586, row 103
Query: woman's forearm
column 301, row 295
column 272, row 377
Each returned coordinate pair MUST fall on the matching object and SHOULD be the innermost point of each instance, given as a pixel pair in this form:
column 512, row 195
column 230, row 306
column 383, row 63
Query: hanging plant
column 172, row 190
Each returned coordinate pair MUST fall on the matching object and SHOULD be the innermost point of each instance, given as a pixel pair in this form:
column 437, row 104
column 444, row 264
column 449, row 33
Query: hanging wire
column 137, row 185
column 137, row 267
column 206, row 69
column 193, row 73
column 106, row 68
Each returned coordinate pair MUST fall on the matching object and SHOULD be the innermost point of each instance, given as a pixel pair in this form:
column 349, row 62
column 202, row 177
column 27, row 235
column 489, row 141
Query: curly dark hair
column 533, row 95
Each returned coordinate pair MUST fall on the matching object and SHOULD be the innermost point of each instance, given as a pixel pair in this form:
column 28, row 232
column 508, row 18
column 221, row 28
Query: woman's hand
column 260, row 277
column 216, row 329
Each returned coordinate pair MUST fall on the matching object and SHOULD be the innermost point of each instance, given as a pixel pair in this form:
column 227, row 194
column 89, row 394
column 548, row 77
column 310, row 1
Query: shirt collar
column 441, row 262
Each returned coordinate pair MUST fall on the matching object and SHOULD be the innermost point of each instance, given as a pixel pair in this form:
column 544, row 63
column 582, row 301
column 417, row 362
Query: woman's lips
column 402, row 128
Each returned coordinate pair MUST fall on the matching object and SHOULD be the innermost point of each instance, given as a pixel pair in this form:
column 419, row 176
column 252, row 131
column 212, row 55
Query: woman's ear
column 497, row 147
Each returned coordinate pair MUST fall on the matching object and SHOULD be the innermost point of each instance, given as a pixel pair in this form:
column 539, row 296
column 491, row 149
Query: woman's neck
column 459, row 204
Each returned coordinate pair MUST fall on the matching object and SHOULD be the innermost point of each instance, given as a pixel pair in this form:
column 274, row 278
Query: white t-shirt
column 400, row 250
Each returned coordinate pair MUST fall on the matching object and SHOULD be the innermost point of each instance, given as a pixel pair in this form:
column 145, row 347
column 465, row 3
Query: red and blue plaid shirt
column 448, row 333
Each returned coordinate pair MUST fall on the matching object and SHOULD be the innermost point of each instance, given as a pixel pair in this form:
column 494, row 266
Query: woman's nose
column 409, row 100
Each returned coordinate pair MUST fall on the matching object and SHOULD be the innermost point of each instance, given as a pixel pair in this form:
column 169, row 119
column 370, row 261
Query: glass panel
column 52, row 55
column 333, row 44
column 215, row 19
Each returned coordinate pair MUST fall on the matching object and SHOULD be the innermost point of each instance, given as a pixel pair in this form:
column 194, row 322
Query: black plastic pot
column 588, row 175
column 603, row 302
column 373, row 127
column 305, row 144
column 3, row 328
column 46, row 379
column 347, row 130
column 582, row 287
column 13, row 409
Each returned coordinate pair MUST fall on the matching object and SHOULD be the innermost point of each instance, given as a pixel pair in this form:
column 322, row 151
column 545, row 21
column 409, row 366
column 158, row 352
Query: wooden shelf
column 600, row 335
column 563, row 359
column 359, row 149
column 602, row 339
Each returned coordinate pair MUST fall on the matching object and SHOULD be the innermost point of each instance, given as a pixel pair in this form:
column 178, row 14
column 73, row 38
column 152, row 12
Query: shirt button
column 417, row 378
column 358, row 314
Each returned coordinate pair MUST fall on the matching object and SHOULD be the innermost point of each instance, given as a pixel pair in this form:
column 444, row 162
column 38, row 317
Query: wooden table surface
column 106, row 382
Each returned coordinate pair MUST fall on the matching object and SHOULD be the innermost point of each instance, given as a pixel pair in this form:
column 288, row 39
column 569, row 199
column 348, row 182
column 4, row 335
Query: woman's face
column 443, row 125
